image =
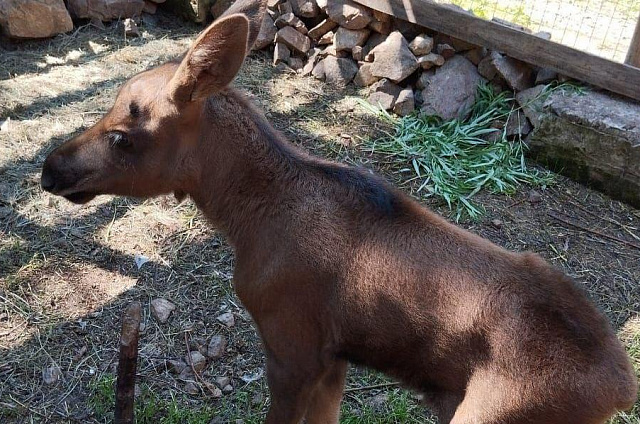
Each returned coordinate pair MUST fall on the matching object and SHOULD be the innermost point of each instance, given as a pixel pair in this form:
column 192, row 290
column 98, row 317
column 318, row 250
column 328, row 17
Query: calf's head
column 142, row 147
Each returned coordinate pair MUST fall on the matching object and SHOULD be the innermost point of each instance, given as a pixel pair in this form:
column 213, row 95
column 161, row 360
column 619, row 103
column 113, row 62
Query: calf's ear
column 213, row 61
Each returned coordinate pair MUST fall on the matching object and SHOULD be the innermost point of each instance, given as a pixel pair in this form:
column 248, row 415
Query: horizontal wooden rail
column 617, row 77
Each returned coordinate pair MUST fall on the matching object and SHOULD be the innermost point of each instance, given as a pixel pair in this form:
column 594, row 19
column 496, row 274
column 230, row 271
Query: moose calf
column 335, row 265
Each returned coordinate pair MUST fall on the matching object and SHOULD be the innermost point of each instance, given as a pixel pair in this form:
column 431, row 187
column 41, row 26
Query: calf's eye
column 119, row 139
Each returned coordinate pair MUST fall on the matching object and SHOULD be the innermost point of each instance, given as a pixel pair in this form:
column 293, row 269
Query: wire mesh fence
column 601, row 27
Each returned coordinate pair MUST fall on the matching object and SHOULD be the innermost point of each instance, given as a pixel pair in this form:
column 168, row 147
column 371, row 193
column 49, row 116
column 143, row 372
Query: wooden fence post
column 127, row 364
column 633, row 57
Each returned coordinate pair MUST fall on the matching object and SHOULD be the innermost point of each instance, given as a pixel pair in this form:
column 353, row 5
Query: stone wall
column 404, row 65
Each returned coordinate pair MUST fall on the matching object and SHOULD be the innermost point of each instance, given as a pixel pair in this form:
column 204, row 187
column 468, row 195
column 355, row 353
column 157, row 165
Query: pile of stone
column 404, row 65
column 23, row 19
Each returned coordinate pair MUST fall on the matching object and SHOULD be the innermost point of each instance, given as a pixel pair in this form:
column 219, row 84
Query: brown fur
column 335, row 265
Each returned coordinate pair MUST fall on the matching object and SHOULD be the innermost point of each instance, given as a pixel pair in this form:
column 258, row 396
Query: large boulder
column 34, row 18
column 105, row 10
column 451, row 91
column 592, row 137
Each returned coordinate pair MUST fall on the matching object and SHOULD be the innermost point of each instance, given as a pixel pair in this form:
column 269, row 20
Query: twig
column 516, row 203
column 375, row 386
column 127, row 364
column 598, row 233
column 195, row 373
column 613, row 221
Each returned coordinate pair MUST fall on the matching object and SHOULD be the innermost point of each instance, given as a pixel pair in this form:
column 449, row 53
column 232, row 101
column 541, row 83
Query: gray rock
column 322, row 28
column 364, row 77
column 313, row 54
column 384, row 94
column 592, row 137
column 318, row 70
column 161, row 309
column 545, row 76
column 381, row 23
column 392, row 59
column 34, row 18
column 295, row 63
column 357, row 53
column 293, row 39
column 374, row 40
column 347, row 39
column 289, row 19
column 273, row 4
column 451, row 91
column 191, row 388
column 430, row 60
column 518, row 75
column 349, row 14
column 337, row 71
column 176, row 366
column 130, row 28
column 196, row 359
column 425, row 79
column 51, row 374
column 216, row 347
column 486, row 68
column 532, row 102
column 326, row 39
column 445, row 51
column 305, row 8
column 405, row 103
column 267, row 34
column 285, row 7
column 517, row 124
column 281, row 54
column 223, row 381
column 331, row 50
column 476, row 55
column 227, row 319
column 421, row 45
column 227, row 389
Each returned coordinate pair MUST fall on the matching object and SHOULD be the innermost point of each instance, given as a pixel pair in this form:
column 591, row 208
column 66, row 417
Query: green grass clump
column 149, row 408
column 456, row 159
column 398, row 408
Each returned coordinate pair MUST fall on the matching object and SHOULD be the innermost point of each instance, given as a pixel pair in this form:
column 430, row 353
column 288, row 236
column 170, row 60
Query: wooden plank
column 617, row 77
column 633, row 57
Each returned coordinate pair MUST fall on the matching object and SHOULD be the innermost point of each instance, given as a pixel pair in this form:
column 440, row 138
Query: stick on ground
column 127, row 364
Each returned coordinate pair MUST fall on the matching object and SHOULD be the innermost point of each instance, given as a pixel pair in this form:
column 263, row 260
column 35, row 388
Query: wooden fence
column 621, row 78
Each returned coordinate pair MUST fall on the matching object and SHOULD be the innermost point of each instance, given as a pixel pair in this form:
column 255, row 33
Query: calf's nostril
column 47, row 180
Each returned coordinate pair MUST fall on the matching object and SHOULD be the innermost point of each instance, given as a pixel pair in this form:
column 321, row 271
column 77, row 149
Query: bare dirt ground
column 67, row 272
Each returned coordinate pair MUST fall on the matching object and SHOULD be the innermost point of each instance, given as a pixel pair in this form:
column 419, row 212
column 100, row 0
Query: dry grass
column 67, row 272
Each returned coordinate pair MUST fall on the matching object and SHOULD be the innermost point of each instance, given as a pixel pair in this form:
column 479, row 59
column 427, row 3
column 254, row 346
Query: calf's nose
column 47, row 180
